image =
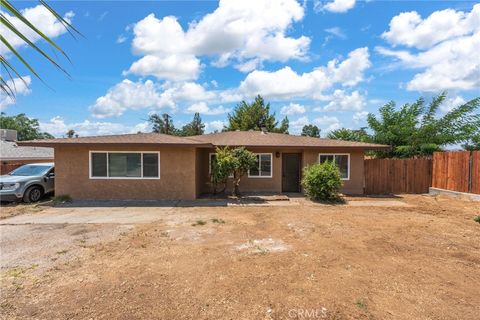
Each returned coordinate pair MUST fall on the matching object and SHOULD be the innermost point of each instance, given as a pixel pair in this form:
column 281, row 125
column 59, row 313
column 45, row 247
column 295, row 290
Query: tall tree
column 416, row 130
column 70, row 133
column 473, row 143
column 163, row 124
column 194, row 128
column 27, row 31
column 27, row 129
column 311, row 130
column 254, row 116
column 349, row 134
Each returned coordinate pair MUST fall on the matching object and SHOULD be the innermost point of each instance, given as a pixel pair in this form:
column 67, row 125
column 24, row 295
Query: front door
column 291, row 172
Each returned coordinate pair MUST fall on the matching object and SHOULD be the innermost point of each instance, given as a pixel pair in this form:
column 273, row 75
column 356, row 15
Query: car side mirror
column 51, row 175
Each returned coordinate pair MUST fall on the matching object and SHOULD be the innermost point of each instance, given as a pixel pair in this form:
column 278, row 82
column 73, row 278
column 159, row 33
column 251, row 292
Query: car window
column 30, row 170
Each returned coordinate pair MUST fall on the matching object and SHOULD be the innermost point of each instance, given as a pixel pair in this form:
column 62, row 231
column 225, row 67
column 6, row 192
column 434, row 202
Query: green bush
column 322, row 182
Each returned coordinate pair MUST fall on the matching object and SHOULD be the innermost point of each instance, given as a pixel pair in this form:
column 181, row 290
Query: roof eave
column 76, row 144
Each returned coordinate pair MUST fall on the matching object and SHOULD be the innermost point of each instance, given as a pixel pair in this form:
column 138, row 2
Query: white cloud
column 131, row 95
column 451, row 102
column 292, row 108
column 58, row 127
column 449, row 59
column 203, row 108
column 360, row 116
column 341, row 101
column 247, row 32
column 326, row 123
column 214, row 125
column 338, row 6
column 19, row 87
column 173, row 67
column 409, row 29
column 297, row 125
column 336, row 31
column 41, row 18
column 121, row 39
column 286, row 83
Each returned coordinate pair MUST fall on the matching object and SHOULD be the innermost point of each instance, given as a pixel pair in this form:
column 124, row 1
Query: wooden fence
column 384, row 176
column 457, row 171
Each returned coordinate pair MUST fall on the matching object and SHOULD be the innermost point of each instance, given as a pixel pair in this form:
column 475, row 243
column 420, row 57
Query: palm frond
column 7, row 83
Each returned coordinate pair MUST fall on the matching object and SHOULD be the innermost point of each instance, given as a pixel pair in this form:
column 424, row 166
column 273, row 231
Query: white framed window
column 341, row 159
column 124, row 165
column 263, row 168
column 211, row 160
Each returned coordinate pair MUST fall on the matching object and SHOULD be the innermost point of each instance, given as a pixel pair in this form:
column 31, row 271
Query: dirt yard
column 415, row 257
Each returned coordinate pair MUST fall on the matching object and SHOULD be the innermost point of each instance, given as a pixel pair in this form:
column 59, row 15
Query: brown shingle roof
column 260, row 139
column 134, row 138
column 230, row 138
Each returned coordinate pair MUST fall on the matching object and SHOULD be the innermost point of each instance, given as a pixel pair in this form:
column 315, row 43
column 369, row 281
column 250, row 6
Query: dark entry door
column 291, row 172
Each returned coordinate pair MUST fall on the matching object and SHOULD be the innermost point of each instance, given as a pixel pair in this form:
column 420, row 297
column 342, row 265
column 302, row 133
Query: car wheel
column 33, row 194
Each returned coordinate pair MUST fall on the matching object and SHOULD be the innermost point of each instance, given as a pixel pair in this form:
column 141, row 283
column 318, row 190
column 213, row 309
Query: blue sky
column 327, row 63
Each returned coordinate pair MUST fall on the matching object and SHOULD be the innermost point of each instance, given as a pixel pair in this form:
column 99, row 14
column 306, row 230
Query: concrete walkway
column 128, row 212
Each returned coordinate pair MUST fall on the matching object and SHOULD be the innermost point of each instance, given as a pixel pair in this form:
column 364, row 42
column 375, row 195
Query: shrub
column 476, row 219
column 322, row 182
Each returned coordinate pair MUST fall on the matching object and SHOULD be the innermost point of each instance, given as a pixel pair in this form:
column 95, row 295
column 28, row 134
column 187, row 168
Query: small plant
column 362, row 304
column 219, row 221
column 199, row 223
column 322, row 182
column 477, row 219
column 62, row 198
column 62, row 251
column 235, row 161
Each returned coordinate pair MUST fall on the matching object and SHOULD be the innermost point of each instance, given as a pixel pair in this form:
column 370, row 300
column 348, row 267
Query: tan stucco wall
column 355, row 184
column 309, row 156
column 177, row 175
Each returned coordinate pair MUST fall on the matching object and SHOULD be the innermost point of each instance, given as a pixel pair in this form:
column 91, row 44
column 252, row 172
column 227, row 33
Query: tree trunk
column 236, row 183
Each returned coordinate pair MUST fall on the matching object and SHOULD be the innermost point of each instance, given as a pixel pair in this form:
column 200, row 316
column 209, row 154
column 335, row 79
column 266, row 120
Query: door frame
column 300, row 159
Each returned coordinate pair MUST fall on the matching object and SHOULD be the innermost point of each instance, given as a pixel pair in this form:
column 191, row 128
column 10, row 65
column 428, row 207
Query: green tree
column 254, row 116
column 349, row 134
column 415, row 130
column 473, row 143
column 194, row 128
column 70, row 133
column 163, row 124
column 235, row 161
column 26, row 30
column 311, row 130
column 27, row 129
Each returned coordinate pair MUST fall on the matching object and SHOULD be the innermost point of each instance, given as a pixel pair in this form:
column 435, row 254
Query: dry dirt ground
column 416, row 257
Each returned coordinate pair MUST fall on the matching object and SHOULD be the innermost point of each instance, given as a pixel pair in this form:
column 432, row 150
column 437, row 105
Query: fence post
column 470, row 172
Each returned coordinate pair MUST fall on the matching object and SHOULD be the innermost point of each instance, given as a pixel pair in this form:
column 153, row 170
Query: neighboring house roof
column 229, row 138
column 134, row 138
column 270, row 139
column 9, row 150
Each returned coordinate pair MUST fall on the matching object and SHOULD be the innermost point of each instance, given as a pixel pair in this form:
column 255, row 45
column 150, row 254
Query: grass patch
column 62, row 251
column 199, row 223
column 61, row 199
column 219, row 221
column 17, row 272
column 361, row 303
column 476, row 219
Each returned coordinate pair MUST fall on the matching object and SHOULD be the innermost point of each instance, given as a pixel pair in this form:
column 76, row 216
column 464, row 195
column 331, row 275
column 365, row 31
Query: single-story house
column 13, row 156
column 158, row 166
